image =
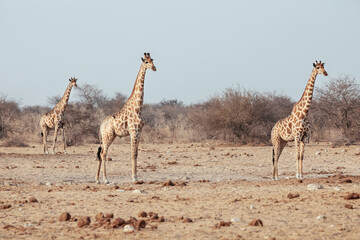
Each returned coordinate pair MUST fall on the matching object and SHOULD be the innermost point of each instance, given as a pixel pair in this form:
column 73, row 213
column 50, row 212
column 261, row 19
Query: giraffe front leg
column 302, row 148
column 55, row 138
column 45, row 133
column 297, row 146
column 134, row 155
column 64, row 140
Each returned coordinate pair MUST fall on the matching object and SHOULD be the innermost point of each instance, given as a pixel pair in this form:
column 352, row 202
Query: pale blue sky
column 200, row 47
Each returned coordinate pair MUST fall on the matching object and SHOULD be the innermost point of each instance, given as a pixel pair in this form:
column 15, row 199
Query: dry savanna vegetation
column 204, row 170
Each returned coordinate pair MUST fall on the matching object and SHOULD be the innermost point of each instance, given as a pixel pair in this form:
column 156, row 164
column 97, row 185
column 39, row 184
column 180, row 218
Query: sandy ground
column 215, row 186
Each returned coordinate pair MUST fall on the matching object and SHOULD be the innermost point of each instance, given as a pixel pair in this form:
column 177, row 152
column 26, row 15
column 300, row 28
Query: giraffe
column 295, row 127
column 54, row 118
column 126, row 122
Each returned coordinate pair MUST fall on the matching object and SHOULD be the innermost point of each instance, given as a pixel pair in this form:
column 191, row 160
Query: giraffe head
column 319, row 68
column 148, row 62
column 73, row 82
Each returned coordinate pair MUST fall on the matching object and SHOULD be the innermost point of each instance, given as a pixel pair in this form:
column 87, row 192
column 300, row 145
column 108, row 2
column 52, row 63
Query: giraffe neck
column 61, row 106
column 137, row 96
column 302, row 107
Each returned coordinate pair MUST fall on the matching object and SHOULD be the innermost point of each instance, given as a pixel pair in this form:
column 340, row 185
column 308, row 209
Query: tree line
column 234, row 115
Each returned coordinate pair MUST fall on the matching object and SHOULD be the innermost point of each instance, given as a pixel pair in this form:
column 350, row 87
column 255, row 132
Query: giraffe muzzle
column 154, row 69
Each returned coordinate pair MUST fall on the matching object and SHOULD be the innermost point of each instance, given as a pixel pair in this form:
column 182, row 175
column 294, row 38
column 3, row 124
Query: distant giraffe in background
column 295, row 127
column 126, row 122
column 54, row 118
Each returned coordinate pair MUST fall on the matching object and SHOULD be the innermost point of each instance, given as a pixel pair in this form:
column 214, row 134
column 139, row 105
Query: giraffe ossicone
column 128, row 121
column 54, row 118
column 295, row 127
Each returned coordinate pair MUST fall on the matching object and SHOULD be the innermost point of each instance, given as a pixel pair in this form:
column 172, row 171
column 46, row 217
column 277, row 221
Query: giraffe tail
column 98, row 157
column 273, row 156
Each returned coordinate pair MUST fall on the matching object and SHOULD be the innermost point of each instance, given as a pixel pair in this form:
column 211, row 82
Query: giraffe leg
column 64, row 139
column 45, row 132
column 302, row 148
column 134, row 155
column 277, row 150
column 55, row 138
column 297, row 146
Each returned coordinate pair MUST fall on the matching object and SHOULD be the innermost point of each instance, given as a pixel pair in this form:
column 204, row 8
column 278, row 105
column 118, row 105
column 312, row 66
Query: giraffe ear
column 314, row 64
column 142, row 59
column 323, row 64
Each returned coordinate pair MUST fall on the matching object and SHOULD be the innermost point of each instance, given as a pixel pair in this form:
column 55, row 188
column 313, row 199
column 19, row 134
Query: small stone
column 48, row 184
column 168, row 184
column 256, row 222
column 312, row 187
column 252, row 207
column 291, row 195
column 117, row 222
column 99, row 216
column 142, row 214
column 65, row 216
column 109, row 215
column 140, row 224
column 83, row 221
column 161, row 219
column 33, row 200
column 352, row 196
column 261, row 165
column 5, row 206
column 318, row 153
column 337, row 189
column 234, row 220
column 349, row 206
column 139, row 191
column 187, row 220
column 129, row 229
column 224, row 224
column 320, row 217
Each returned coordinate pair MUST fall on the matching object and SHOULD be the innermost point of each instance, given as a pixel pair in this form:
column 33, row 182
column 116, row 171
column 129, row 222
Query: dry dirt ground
column 218, row 190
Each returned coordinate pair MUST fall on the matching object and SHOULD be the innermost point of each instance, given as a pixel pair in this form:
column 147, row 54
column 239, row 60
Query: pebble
column 129, row 229
column 261, row 165
column 337, row 189
column 234, row 220
column 48, row 184
column 185, row 178
column 252, row 207
column 321, row 217
column 139, row 191
column 318, row 153
column 120, row 190
column 312, row 187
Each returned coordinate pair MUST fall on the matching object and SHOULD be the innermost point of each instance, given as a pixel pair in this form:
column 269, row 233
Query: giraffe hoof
column 134, row 179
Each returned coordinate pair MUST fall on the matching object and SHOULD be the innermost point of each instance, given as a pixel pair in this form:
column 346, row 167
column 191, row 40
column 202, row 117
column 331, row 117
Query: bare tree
column 339, row 101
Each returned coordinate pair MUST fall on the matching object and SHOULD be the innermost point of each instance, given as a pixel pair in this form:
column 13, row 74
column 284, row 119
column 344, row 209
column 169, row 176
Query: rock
column 337, row 189
column 142, row 214
column 321, row 217
column 256, row 222
column 168, row 184
column 65, row 216
column 83, row 221
column 224, row 224
column 234, row 220
column 291, row 195
column 318, row 153
column 138, row 191
column 352, row 196
column 48, row 184
column 261, row 165
column 153, row 215
column 109, row 215
column 140, row 224
column 161, row 219
column 187, row 220
column 129, row 229
column 33, row 200
column 349, row 206
column 5, row 206
column 118, row 222
column 99, row 216
column 312, row 187
column 252, row 207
